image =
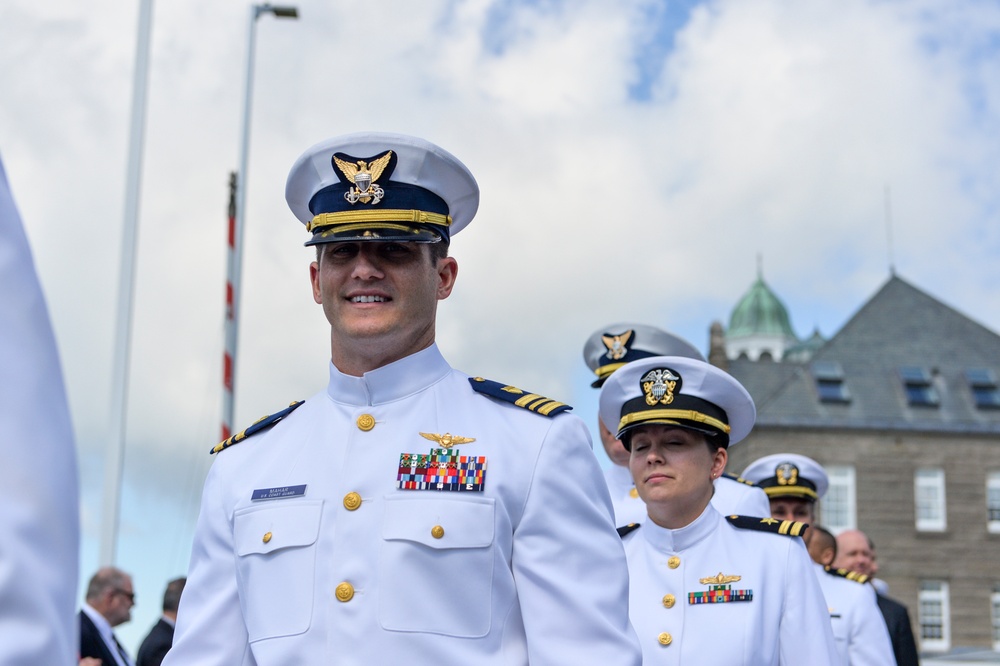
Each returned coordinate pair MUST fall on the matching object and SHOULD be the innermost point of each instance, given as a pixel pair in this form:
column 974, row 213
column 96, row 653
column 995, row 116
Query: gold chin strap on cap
column 383, row 215
column 778, row 492
column 606, row 370
column 668, row 414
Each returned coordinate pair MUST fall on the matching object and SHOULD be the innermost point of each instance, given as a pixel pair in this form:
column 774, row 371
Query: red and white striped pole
column 229, row 353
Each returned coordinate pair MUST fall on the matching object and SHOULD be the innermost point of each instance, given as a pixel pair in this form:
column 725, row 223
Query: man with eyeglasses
column 108, row 603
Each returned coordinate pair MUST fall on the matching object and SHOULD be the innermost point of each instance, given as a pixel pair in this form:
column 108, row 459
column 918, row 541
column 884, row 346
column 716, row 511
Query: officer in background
column 856, row 552
column 607, row 350
column 794, row 483
column 408, row 513
column 705, row 589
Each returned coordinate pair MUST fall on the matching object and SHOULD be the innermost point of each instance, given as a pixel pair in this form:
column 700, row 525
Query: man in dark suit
column 154, row 647
column 109, row 602
column 856, row 552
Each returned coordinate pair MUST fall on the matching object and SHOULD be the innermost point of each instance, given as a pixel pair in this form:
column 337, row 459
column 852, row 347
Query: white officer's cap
column 788, row 475
column 674, row 390
column 376, row 186
column 611, row 347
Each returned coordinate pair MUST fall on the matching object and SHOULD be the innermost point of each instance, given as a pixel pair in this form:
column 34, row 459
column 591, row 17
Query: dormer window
column 984, row 387
column 829, row 378
column 919, row 387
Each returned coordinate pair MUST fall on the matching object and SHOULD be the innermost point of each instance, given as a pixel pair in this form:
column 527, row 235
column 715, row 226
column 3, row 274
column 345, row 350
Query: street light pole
column 236, row 233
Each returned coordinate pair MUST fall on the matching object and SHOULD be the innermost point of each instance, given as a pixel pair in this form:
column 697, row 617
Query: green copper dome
column 759, row 312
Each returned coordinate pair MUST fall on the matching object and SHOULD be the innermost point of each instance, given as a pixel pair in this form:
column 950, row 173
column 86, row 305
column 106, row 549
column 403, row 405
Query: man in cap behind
column 408, row 513
column 607, row 350
column 793, row 484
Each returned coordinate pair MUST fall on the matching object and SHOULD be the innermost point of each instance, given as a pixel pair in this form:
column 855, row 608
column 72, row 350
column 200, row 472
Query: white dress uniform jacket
column 858, row 625
column 783, row 622
column 350, row 570
column 39, row 514
column 731, row 497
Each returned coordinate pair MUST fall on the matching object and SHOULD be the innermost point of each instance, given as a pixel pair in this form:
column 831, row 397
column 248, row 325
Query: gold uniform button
column 665, row 638
column 674, row 562
column 669, row 600
column 352, row 501
column 344, row 592
column 437, row 531
column 267, row 537
column 633, row 493
column 366, row 422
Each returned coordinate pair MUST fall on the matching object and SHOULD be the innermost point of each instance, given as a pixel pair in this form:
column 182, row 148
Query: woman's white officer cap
column 788, row 475
column 379, row 186
column 679, row 391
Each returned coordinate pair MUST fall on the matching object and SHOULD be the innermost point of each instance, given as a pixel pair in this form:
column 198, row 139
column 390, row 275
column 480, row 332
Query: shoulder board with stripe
column 740, row 479
column 849, row 575
column 773, row 525
column 515, row 396
column 263, row 423
column 627, row 529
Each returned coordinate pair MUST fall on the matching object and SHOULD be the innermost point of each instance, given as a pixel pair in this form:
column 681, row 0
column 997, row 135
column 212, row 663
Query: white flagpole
column 115, row 453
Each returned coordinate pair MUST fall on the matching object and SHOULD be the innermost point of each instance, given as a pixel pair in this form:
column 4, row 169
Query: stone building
column 902, row 406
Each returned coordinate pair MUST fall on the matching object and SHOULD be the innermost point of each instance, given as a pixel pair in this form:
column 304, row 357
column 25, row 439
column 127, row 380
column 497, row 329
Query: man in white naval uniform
column 407, row 514
column 607, row 350
column 706, row 589
column 793, row 484
column 40, row 517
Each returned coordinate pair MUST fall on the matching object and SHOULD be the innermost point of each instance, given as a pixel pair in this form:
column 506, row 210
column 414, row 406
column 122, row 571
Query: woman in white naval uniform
column 706, row 589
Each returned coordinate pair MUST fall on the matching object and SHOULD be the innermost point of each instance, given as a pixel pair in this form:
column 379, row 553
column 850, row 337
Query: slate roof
column 899, row 326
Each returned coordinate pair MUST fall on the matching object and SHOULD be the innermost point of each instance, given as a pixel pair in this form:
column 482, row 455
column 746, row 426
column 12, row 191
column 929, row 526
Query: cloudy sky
column 636, row 159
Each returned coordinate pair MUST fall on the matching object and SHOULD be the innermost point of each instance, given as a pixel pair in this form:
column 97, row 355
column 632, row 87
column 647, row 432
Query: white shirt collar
column 673, row 541
column 395, row 381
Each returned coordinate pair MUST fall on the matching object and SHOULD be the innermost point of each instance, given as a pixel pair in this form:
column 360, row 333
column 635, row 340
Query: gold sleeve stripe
column 791, row 527
column 526, row 399
column 551, row 405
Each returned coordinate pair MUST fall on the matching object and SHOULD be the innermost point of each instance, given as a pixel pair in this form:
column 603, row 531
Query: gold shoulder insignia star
column 769, row 521
column 511, row 389
column 447, row 440
column 721, row 579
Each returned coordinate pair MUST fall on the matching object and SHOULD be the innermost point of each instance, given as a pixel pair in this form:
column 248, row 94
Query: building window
column 929, row 496
column 993, row 502
column 919, row 387
column 830, row 384
column 984, row 387
column 839, row 508
column 995, row 615
column 935, row 624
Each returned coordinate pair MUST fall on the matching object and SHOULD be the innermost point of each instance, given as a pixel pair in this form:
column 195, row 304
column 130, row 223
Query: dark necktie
column 121, row 651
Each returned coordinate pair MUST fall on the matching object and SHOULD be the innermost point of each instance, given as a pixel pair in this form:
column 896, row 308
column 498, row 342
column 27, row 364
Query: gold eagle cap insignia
column 447, row 440
column 787, row 474
column 365, row 178
column 721, row 579
column 352, row 169
column 616, row 344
